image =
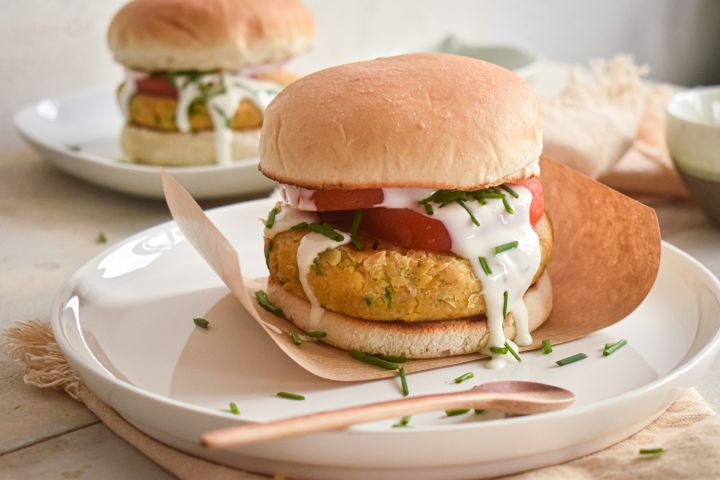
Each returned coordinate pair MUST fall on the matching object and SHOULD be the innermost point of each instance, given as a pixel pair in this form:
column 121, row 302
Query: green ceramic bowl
column 693, row 137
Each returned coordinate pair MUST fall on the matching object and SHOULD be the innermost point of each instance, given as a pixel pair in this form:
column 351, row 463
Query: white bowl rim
column 682, row 96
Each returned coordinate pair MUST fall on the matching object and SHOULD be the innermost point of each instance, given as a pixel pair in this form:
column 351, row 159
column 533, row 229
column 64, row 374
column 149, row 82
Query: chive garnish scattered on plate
column 201, row 322
column 571, row 359
column 357, row 218
column 265, row 303
column 506, row 246
column 234, row 408
column 473, row 218
column 457, row 411
column 485, row 266
column 403, row 422
column 512, row 192
column 403, row 382
column 499, row 350
column 611, row 348
column 463, row 377
column 295, row 337
column 270, row 221
column 505, row 300
column 547, row 346
column 652, row 451
column 373, row 360
column 101, row 238
column 393, row 358
column 327, row 230
column 317, row 334
column 513, row 352
column 290, row 396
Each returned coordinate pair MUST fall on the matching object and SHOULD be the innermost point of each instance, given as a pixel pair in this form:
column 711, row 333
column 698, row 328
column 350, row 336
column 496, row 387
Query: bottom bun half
column 444, row 338
column 144, row 145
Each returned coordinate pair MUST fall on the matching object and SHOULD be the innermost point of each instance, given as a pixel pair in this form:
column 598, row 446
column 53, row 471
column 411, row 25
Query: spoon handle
column 344, row 417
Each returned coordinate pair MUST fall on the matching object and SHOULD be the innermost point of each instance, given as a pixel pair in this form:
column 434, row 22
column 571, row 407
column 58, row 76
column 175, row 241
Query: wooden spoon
column 506, row 396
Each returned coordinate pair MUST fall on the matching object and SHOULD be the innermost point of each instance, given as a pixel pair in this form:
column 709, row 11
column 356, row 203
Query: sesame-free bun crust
column 418, row 121
column 153, row 147
column 172, row 35
column 434, row 339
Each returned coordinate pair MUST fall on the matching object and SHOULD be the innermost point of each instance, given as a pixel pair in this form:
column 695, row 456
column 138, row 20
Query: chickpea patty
column 158, row 113
column 388, row 283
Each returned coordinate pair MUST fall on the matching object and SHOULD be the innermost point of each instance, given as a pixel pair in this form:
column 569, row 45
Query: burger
column 412, row 219
column 200, row 73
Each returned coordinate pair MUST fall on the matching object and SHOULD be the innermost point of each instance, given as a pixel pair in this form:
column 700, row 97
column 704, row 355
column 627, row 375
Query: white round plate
column 79, row 134
column 124, row 321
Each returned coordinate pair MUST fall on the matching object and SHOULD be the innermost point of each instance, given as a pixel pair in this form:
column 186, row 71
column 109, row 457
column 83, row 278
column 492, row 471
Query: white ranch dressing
column 512, row 270
column 128, row 90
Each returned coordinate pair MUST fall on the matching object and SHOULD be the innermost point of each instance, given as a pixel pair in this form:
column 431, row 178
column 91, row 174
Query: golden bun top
column 411, row 121
column 155, row 35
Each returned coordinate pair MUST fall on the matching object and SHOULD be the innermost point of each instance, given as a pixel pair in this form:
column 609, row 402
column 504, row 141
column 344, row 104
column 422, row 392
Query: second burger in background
column 200, row 73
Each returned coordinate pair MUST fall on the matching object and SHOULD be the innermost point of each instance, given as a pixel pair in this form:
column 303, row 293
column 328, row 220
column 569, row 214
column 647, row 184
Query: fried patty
column 158, row 113
column 388, row 283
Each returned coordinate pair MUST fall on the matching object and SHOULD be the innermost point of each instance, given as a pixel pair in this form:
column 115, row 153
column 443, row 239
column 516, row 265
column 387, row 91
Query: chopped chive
column 265, row 303
column 457, row 411
column 463, row 377
column 318, row 270
column 652, row 451
column 393, row 358
column 270, row 221
column 512, row 192
column 467, row 209
column 234, row 408
column 403, row 422
column 571, row 359
column 428, row 208
column 201, row 322
column 499, row 350
column 268, row 249
column 101, row 238
column 505, row 300
column 513, row 352
column 389, row 293
column 508, row 207
column 609, row 350
column 317, row 334
column 373, row 360
column 547, row 346
column 290, row 396
column 403, row 382
column 479, row 411
column 506, row 246
column 357, row 218
column 327, row 230
column 368, row 300
column 74, row 148
column 295, row 337
column 299, row 226
column 485, row 266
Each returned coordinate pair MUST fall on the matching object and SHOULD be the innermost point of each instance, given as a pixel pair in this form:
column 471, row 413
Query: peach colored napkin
column 610, row 124
column 688, row 430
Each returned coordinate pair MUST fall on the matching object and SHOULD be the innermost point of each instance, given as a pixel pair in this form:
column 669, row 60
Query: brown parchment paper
column 605, row 259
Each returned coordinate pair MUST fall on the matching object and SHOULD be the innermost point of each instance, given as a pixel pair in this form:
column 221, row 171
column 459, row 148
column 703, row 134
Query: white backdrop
column 51, row 47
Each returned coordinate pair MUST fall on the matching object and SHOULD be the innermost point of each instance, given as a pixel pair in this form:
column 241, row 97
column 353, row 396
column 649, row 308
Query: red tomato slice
column 331, row 200
column 157, row 87
column 537, row 207
column 402, row 227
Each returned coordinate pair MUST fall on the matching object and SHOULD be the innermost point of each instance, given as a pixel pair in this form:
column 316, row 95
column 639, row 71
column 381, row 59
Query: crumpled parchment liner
column 605, row 259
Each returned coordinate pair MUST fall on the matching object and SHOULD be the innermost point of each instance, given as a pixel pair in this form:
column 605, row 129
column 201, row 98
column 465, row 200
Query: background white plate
column 125, row 322
column 79, row 134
